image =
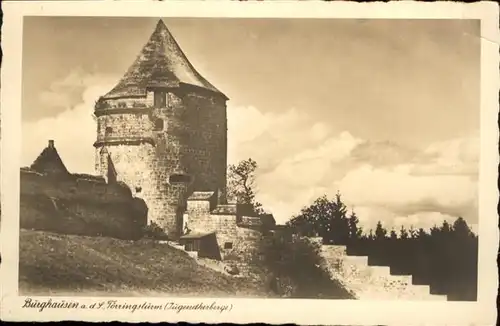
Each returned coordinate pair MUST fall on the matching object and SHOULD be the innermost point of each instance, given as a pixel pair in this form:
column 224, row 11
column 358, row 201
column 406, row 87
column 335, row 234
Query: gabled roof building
column 49, row 161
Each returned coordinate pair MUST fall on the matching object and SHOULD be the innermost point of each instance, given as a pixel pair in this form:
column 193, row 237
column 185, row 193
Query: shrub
column 154, row 231
column 296, row 269
column 232, row 269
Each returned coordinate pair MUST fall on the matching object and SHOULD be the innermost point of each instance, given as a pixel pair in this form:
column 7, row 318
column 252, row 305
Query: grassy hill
column 51, row 263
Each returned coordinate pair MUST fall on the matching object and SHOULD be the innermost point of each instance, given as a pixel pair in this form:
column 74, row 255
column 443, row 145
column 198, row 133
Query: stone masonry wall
column 75, row 205
column 193, row 142
column 243, row 241
column 208, row 142
column 169, row 144
column 124, row 125
column 73, row 188
column 134, row 166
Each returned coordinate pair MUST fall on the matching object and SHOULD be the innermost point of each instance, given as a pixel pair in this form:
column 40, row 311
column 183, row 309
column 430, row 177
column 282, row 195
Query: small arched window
column 158, row 125
column 160, row 99
column 108, row 130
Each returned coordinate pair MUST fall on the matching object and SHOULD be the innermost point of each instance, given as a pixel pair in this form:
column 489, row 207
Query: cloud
column 269, row 136
column 74, row 129
column 383, row 154
column 398, row 188
column 68, row 91
column 458, row 156
column 302, row 159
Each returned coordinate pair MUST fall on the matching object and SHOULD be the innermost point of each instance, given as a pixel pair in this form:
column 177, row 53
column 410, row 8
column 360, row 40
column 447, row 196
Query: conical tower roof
column 49, row 161
column 161, row 62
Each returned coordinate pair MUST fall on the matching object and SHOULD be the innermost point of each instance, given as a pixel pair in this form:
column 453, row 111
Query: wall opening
column 138, row 189
column 159, row 124
column 160, row 99
column 108, row 130
column 228, row 245
column 179, row 179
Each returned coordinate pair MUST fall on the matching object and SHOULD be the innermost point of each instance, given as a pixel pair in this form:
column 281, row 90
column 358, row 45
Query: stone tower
column 163, row 128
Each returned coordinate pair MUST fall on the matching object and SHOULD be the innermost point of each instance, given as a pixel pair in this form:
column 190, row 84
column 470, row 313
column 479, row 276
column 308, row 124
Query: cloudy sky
column 384, row 111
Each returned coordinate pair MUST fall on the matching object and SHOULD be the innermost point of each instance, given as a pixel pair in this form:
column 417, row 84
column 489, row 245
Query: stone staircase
column 372, row 282
column 218, row 266
column 353, row 272
column 178, row 246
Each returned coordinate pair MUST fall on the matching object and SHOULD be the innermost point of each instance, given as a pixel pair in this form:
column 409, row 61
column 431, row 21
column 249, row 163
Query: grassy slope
column 52, row 263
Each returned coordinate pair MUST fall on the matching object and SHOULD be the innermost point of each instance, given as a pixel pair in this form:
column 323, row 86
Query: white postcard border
column 257, row 310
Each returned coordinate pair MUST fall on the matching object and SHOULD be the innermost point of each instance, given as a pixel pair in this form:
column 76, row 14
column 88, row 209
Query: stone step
column 174, row 245
column 423, row 290
column 421, row 293
column 333, row 250
column 179, row 247
column 393, row 288
column 434, row 297
column 381, row 270
column 360, row 261
column 371, row 272
column 411, row 291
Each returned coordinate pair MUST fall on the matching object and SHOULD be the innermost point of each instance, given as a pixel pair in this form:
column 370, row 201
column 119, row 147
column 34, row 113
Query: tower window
column 158, row 125
column 160, row 99
column 108, row 130
column 228, row 245
column 179, row 178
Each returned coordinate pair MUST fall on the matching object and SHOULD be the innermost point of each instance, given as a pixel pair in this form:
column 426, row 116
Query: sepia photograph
column 248, row 158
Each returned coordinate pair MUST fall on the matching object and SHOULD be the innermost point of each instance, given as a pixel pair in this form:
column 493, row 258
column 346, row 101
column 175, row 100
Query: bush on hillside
column 232, row 269
column 295, row 269
column 154, row 231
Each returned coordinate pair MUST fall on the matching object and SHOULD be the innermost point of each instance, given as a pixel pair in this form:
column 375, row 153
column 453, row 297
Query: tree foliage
column 296, row 269
column 380, row 232
column 403, row 233
column 241, row 186
column 355, row 231
column 327, row 218
column 393, row 235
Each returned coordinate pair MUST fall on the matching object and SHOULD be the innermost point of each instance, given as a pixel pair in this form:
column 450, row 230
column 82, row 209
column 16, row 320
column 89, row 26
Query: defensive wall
column 79, row 204
column 237, row 235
